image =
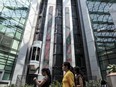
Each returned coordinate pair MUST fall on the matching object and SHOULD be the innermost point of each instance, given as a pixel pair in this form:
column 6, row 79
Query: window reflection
column 12, row 22
column 104, row 31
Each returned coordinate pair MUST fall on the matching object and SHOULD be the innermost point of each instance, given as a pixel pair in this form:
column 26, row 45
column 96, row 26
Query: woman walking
column 46, row 80
column 79, row 79
column 68, row 79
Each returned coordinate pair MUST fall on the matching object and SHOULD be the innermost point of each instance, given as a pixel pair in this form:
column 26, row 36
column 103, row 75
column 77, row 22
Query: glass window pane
column 13, row 52
column 15, row 44
column 10, row 32
column 18, row 35
column 8, row 67
column 113, row 61
column 22, row 20
column 6, row 76
column 2, row 60
column 104, row 64
column 11, row 57
column 7, row 41
column 9, row 61
column 2, row 29
column 2, row 66
column 1, row 7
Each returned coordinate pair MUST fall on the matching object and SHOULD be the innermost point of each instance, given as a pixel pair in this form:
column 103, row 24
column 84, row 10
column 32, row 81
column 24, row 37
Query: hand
column 34, row 78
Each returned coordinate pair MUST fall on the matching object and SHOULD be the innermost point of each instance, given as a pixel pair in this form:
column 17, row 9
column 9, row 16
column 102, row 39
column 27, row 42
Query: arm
column 80, row 82
column 40, row 83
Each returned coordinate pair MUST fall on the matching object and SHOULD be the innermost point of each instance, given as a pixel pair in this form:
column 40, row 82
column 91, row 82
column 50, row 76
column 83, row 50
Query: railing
column 21, row 79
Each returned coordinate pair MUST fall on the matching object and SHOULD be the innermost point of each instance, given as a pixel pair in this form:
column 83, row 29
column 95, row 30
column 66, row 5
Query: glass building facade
column 13, row 15
column 104, row 32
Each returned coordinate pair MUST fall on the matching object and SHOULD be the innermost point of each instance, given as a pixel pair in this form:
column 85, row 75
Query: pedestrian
column 68, row 79
column 46, row 80
column 79, row 78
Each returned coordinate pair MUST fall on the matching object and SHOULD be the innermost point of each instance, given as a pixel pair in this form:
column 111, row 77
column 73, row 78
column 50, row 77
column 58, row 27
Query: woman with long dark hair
column 79, row 78
column 68, row 79
column 46, row 80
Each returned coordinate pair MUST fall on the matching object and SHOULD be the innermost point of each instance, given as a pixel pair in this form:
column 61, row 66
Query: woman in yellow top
column 68, row 79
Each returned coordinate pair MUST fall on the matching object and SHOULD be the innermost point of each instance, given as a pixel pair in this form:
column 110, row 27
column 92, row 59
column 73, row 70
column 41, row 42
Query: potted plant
column 111, row 68
column 111, row 77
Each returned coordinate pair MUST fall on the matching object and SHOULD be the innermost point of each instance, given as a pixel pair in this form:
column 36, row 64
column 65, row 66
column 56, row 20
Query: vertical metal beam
column 93, row 68
column 64, row 41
